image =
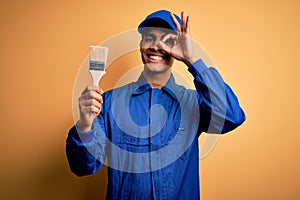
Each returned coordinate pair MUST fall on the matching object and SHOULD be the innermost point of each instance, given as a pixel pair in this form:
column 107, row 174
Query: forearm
column 81, row 158
column 217, row 98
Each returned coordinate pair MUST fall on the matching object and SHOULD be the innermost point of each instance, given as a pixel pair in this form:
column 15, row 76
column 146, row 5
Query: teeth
column 155, row 57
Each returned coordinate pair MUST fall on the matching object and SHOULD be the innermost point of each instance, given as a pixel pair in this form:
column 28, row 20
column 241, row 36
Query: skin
column 158, row 49
column 157, row 62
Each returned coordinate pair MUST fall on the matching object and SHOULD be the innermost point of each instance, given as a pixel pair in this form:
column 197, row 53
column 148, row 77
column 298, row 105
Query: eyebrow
column 149, row 35
column 153, row 35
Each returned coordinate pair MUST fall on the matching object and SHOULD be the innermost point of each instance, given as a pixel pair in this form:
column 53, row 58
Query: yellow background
column 255, row 45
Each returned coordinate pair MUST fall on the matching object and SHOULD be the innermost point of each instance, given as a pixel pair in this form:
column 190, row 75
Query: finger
column 96, row 96
column 185, row 22
column 91, row 95
column 183, row 27
column 90, row 88
column 100, row 90
column 164, row 39
column 169, row 36
column 188, row 24
column 164, row 47
column 170, row 40
column 90, row 102
column 99, row 110
column 175, row 21
column 89, row 109
column 94, row 109
column 93, row 88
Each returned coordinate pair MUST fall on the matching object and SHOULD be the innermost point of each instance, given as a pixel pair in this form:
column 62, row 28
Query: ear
column 141, row 44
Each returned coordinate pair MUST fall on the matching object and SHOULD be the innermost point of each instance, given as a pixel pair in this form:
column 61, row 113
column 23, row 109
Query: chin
column 157, row 67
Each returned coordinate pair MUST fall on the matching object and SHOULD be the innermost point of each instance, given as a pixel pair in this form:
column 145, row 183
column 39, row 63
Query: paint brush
column 98, row 58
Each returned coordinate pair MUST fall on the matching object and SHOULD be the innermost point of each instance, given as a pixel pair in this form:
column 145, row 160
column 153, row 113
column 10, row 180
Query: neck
column 157, row 80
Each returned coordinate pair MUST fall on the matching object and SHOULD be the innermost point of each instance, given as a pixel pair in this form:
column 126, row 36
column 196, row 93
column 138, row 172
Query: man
column 147, row 131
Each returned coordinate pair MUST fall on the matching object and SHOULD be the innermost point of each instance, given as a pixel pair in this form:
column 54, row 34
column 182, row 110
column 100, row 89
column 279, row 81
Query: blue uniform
column 148, row 137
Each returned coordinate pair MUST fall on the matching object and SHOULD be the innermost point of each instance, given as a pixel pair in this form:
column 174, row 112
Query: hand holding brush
column 90, row 101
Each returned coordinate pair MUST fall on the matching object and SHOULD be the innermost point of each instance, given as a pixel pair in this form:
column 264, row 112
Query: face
column 154, row 58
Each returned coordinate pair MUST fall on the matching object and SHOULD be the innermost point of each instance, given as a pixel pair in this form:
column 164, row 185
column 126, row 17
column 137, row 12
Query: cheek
column 142, row 55
column 170, row 61
column 145, row 45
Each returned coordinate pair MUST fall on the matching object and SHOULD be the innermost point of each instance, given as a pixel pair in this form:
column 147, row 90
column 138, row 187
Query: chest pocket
column 187, row 132
column 134, row 144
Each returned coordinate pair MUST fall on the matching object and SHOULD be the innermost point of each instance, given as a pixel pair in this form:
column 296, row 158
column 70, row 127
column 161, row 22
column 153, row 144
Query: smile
column 155, row 58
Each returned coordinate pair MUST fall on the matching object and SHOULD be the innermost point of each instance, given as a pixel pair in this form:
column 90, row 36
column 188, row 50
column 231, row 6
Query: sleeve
column 220, row 111
column 86, row 150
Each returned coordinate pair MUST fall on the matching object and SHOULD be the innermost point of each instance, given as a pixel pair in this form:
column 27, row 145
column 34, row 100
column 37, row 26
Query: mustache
column 158, row 51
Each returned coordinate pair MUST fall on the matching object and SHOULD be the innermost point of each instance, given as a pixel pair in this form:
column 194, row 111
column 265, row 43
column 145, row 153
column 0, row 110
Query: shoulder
column 182, row 90
column 122, row 90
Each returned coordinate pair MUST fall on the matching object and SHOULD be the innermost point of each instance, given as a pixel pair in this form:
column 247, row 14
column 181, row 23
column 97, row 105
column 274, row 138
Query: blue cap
column 161, row 19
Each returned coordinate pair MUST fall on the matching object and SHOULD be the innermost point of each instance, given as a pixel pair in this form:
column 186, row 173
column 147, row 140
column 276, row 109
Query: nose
column 155, row 45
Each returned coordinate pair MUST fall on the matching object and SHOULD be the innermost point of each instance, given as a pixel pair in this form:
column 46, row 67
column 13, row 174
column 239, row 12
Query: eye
column 170, row 42
column 148, row 39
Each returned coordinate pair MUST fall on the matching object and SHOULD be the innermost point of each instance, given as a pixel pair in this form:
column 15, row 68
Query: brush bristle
column 97, row 65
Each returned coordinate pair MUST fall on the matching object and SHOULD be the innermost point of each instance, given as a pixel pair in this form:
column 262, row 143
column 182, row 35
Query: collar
column 170, row 88
column 141, row 86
